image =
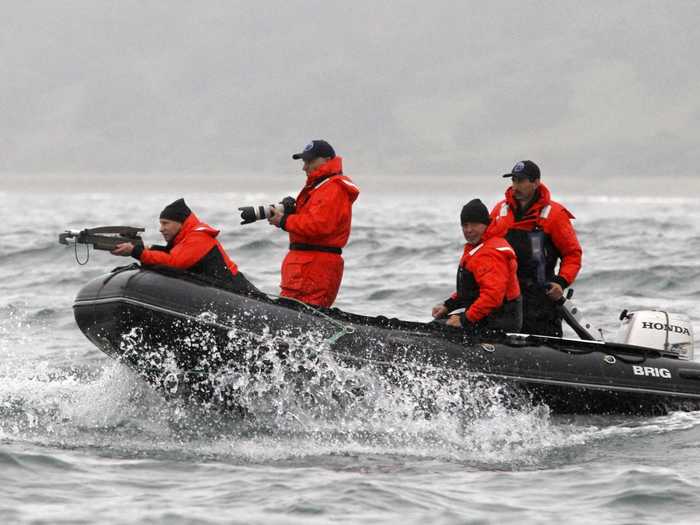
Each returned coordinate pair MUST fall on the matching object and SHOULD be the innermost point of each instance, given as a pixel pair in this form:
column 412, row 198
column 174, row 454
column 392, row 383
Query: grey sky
column 397, row 86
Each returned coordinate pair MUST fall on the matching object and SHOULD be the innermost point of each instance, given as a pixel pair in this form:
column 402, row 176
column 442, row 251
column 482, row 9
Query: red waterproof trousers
column 312, row 277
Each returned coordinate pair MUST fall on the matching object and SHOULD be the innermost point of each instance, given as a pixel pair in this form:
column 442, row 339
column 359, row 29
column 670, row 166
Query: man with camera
column 541, row 233
column 192, row 246
column 319, row 227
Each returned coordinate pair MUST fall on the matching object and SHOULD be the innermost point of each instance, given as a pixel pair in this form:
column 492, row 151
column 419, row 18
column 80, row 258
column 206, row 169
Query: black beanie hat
column 176, row 211
column 475, row 211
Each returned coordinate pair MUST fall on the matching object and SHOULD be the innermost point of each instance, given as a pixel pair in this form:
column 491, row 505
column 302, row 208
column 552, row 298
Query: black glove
column 289, row 204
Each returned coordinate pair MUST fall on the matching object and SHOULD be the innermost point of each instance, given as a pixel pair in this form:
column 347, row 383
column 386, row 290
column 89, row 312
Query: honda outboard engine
column 669, row 333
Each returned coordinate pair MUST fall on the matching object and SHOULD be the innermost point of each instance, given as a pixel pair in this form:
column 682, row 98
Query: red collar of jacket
column 543, row 199
column 332, row 167
column 192, row 224
column 488, row 234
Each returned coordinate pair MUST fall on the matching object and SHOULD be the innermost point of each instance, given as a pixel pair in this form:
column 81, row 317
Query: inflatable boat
column 178, row 331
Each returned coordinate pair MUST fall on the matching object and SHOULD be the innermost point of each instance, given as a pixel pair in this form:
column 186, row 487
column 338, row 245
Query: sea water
column 84, row 440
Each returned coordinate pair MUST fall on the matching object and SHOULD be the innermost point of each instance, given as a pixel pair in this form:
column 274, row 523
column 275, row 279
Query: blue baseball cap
column 524, row 169
column 316, row 149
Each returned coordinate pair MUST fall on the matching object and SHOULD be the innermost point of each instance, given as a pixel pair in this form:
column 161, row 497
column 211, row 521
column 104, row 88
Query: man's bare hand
column 439, row 311
column 555, row 292
column 454, row 321
column 125, row 249
column 276, row 217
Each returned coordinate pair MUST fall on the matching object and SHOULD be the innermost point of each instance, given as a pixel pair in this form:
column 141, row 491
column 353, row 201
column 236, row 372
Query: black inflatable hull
column 157, row 323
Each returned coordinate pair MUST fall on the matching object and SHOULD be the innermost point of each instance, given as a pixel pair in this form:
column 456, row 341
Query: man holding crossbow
column 191, row 246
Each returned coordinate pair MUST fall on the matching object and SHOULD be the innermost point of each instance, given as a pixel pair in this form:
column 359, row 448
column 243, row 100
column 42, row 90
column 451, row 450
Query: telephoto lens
column 255, row 213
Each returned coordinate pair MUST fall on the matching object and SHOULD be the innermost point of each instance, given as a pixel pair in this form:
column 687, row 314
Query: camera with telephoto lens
column 256, row 213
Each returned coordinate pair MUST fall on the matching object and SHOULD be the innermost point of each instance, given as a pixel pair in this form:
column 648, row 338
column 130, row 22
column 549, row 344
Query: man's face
column 312, row 165
column 523, row 189
column 473, row 231
column 169, row 229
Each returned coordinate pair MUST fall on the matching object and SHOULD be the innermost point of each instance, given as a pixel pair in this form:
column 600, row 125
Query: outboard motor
column 671, row 334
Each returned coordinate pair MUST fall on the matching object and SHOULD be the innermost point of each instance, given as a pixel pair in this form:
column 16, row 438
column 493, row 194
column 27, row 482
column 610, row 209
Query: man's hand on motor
column 124, row 249
column 555, row 292
column 276, row 217
column 455, row 321
column 439, row 311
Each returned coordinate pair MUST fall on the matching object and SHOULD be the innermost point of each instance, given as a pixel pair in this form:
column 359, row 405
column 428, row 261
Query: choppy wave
column 421, row 446
column 657, row 280
column 326, row 409
column 308, row 405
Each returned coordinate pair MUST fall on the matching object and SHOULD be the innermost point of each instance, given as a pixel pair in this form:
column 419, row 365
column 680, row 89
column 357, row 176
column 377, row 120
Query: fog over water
column 397, row 86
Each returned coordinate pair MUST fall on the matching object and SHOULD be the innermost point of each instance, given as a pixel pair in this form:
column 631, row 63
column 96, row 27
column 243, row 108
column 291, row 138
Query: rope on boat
column 343, row 328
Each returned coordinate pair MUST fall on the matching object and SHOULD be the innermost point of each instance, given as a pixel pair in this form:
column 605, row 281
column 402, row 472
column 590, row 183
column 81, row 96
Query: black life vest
column 467, row 287
column 212, row 265
column 537, row 255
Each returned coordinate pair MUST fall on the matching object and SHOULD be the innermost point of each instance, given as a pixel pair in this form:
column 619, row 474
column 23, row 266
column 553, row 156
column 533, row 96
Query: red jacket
column 324, row 208
column 193, row 243
column 553, row 219
column 494, row 266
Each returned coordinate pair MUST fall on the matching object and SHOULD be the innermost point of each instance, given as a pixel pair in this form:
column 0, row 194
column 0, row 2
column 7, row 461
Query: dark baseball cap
column 316, row 149
column 524, row 169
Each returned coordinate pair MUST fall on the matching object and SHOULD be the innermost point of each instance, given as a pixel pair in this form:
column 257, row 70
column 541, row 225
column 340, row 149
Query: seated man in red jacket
column 318, row 229
column 192, row 246
column 487, row 280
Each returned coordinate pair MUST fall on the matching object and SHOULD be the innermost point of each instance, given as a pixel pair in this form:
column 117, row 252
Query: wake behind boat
column 186, row 337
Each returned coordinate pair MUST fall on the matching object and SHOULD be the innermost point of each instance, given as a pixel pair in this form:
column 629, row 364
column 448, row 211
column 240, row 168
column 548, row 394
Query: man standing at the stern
column 541, row 233
column 318, row 229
